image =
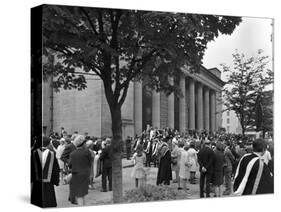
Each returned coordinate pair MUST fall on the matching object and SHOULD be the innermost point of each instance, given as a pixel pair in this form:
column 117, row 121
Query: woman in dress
column 138, row 172
column 89, row 145
column 80, row 163
column 164, row 174
column 59, row 150
column 219, row 162
column 192, row 162
column 175, row 154
column 183, row 169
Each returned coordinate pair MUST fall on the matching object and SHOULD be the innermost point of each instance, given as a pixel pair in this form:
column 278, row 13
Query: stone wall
column 46, row 106
column 79, row 110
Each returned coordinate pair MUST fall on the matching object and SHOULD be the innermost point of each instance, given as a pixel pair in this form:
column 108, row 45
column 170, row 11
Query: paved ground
column 96, row 197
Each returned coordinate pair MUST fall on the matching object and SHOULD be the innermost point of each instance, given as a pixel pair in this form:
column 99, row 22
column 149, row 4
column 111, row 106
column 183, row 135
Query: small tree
column 245, row 86
column 120, row 46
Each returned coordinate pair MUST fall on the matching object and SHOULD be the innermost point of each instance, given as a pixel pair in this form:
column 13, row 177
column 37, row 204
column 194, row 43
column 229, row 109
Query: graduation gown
column 164, row 174
column 44, row 175
column 252, row 176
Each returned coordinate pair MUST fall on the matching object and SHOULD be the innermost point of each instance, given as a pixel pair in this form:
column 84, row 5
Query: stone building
column 231, row 122
column 88, row 111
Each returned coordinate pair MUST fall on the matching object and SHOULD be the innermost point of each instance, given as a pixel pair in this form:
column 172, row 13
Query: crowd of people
column 215, row 156
column 243, row 166
column 77, row 160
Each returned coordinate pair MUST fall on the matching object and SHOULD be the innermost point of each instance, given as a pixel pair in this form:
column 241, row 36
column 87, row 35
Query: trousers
column 205, row 177
column 106, row 175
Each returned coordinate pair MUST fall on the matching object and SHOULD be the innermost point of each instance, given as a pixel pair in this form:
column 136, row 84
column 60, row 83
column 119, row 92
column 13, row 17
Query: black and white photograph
column 131, row 106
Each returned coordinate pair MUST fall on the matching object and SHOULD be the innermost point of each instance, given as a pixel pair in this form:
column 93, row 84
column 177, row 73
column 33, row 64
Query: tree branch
column 133, row 73
column 68, row 53
column 124, row 94
column 89, row 20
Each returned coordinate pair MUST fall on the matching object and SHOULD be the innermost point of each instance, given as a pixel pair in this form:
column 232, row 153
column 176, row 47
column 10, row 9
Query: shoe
column 180, row 188
column 103, row 190
column 110, row 189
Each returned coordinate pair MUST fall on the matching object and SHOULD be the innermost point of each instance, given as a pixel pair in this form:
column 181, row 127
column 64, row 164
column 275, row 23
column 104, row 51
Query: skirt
column 79, row 184
column 218, row 178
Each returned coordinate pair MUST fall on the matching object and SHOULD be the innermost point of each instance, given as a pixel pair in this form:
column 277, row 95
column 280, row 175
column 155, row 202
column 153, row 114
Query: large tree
column 245, row 89
column 120, row 46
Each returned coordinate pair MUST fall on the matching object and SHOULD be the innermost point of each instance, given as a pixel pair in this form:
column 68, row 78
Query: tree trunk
column 116, row 152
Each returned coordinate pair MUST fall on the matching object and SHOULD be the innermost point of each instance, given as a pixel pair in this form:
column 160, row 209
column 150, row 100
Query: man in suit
column 252, row 175
column 205, row 159
column 106, row 160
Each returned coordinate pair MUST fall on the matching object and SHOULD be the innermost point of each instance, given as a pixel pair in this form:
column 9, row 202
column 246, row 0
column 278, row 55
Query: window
column 227, row 121
column 227, row 113
column 228, row 128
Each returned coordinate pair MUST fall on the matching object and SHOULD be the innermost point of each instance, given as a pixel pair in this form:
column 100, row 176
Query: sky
column 249, row 36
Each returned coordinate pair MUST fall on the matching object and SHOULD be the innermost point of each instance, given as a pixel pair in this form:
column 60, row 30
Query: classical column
column 171, row 107
column 191, row 114
column 182, row 110
column 200, row 107
column 206, row 109
column 138, row 107
column 213, row 111
column 156, row 109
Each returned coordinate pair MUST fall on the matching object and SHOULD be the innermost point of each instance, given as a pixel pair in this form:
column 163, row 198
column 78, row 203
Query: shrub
column 152, row 193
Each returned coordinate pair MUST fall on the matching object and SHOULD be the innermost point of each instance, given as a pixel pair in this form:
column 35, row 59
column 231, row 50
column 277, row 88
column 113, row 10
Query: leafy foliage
column 245, row 87
column 153, row 193
column 124, row 45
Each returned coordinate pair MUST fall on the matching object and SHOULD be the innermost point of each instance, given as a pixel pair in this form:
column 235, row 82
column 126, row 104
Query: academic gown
column 43, row 179
column 164, row 174
column 248, row 175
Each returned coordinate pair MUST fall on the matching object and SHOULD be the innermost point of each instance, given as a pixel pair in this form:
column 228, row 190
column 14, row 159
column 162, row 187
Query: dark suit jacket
column 106, row 158
column 80, row 161
column 206, row 158
column 67, row 151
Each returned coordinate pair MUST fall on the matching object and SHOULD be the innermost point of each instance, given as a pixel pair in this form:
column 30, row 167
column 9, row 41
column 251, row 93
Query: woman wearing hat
column 80, row 163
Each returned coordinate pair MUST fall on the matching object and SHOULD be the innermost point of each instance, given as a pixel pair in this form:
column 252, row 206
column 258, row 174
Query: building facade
column 231, row 123
column 88, row 111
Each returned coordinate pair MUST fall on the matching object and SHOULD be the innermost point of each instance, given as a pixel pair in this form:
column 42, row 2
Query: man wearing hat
column 252, row 174
column 205, row 158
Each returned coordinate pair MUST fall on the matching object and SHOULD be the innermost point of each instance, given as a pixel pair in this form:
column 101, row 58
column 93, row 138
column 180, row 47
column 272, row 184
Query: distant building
column 88, row 110
column 231, row 122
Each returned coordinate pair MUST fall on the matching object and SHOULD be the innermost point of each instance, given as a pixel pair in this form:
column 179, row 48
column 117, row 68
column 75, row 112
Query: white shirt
column 266, row 157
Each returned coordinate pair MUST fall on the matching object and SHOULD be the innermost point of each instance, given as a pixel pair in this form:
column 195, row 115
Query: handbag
column 67, row 178
column 174, row 160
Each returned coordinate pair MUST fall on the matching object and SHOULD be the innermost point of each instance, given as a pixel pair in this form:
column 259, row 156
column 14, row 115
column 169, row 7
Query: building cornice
column 205, row 77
